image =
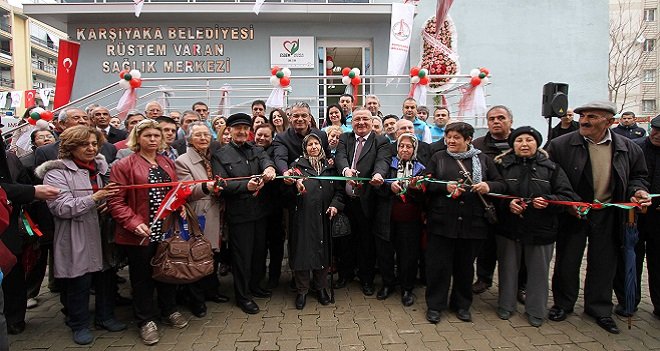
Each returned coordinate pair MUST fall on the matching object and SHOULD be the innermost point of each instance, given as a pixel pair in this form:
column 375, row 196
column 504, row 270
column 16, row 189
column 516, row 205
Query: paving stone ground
column 354, row 322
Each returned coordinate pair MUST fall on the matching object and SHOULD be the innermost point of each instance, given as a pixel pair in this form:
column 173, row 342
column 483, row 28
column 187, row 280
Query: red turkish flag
column 67, row 60
column 29, row 98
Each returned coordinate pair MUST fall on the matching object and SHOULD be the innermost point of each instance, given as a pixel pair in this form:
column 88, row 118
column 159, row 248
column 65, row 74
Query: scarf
column 93, row 172
column 315, row 161
column 476, row 164
column 405, row 168
column 206, row 161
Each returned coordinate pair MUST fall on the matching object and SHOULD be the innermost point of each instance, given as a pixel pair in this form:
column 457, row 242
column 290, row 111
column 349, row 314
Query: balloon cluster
column 479, row 76
column 130, row 79
column 329, row 62
column 351, row 76
column 281, row 77
column 39, row 113
column 419, row 75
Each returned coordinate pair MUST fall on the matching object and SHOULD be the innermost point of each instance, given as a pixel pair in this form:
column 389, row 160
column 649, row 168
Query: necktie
column 358, row 150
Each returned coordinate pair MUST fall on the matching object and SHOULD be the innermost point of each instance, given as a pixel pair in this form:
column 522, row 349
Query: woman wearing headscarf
column 529, row 225
column 77, row 244
column 309, row 230
column 400, row 222
column 457, row 224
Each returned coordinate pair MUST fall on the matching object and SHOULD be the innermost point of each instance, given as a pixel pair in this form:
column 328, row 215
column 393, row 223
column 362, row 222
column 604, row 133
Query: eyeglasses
column 45, row 137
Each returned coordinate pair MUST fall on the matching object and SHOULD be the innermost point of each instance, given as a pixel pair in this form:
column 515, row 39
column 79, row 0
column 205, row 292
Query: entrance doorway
column 344, row 53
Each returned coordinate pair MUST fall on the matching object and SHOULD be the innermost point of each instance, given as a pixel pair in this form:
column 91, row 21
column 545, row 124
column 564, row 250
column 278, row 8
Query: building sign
column 292, row 52
column 158, row 50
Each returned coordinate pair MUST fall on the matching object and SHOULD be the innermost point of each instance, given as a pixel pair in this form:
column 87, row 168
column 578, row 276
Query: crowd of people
column 420, row 199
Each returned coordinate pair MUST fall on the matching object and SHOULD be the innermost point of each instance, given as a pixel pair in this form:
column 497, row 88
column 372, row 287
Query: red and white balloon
column 351, row 76
column 130, row 79
column 419, row 76
column 479, row 76
column 38, row 113
column 281, row 77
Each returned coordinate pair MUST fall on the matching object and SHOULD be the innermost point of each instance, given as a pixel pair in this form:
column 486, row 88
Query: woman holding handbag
column 136, row 231
column 457, row 220
column 77, row 244
column 317, row 203
column 195, row 164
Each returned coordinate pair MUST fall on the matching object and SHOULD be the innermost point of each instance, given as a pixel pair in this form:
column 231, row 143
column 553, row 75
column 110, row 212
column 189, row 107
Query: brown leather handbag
column 178, row 261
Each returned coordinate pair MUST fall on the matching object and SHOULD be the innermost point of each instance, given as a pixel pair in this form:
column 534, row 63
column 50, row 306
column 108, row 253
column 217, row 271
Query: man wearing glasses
column 153, row 110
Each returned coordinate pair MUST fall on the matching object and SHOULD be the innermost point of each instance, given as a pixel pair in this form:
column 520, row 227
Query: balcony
column 44, row 44
column 44, row 69
column 6, row 83
column 6, row 28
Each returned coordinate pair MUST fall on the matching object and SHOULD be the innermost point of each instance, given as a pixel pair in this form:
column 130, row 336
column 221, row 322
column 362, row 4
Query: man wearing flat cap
column 246, row 212
column 647, row 224
column 601, row 166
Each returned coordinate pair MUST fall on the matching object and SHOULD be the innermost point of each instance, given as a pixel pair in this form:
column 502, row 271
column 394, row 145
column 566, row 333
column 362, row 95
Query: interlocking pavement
column 354, row 322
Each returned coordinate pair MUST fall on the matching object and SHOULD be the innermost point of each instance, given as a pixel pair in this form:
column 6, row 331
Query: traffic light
column 555, row 100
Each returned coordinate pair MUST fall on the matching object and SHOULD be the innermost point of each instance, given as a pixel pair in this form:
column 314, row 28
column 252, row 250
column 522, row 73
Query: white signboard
column 292, row 52
column 10, row 121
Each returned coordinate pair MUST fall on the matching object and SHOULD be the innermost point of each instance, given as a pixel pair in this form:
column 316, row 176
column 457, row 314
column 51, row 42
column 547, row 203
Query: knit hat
column 525, row 130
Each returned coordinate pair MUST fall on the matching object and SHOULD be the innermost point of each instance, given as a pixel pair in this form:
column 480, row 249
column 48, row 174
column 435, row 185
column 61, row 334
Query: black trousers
column 357, row 249
column 275, row 241
column 15, row 293
column 649, row 247
column 601, row 231
column 139, row 269
column 205, row 287
column 404, row 244
column 248, row 248
column 450, row 262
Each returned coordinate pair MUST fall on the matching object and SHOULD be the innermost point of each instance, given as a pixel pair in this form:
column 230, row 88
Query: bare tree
column 628, row 32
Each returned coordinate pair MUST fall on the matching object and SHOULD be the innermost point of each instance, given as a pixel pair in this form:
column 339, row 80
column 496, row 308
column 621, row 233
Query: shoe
column 83, row 336
column 123, row 301
column 111, row 325
column 464, row 315
column 31, row 303
column 534, row 321
column 324, row 298
column 273, row 282
column 262, row 293
column 224, row 269
column 558, row 314
column 480, row 286
column 249, row 307
column 198, row 311
column 340, row 283
column 176, row 320
column 521, row 296
column 433, row 316
column 217, row 298
column 384, row 292
column 407, row 298
column 503, row 314
column 301, row 300
column 368, row 289
column 608, row 324
column 149, row 333
column 621, row 311
column 16, row 328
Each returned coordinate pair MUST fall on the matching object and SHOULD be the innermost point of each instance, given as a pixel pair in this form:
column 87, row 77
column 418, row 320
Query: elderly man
column 628, row 126
column 605, row 167
column 422, row 131
column 361, row 153
column 101, row 119
column 372, row 103
column 566, row 125
column 153, row 110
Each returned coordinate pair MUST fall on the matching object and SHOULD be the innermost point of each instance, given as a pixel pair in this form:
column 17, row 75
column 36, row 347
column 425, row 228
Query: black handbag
column 340, row 225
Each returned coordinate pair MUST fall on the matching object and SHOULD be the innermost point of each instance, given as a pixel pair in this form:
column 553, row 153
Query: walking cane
column 332, row 281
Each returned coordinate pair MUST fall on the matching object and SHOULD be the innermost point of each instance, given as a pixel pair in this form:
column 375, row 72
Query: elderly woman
column 333, row 132
column 137, row 230
column 335, row 117
column 400, row 225
column 457, row 224
column 529, row 225
column 278, row 120
column 195, row 164
column 318, row 202
column 78, row 253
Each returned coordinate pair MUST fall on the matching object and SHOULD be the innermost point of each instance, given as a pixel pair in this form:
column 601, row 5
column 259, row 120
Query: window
column 649, row 45
column 649, row 75
column 649, row 15
column 648, row 105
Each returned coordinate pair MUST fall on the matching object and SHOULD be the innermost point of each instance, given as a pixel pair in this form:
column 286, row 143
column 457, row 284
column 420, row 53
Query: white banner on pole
column 400, row 35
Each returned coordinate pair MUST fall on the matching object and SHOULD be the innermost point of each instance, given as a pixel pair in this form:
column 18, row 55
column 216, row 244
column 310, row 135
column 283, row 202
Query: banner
column 16, row 97
column 400, row 35
column 29, row 98
column 45, row 95
column 67, row 60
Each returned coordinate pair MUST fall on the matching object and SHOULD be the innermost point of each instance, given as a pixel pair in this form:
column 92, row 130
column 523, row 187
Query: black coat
column 232, row 161
column 490, row 146
column 288, row 147
column 530, row 178
column 375, row 158
column 632, row 132
column 652, row 156
column 463, row 217
column 116, row 135
column 309, row 225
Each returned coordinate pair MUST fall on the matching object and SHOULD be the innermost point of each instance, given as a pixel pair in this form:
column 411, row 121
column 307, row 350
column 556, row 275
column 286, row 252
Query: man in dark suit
column 361, row 153
column 101, row 119
column 69, row 118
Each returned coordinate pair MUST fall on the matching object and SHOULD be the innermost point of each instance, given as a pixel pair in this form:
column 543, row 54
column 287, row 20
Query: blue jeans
column 75, row 298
